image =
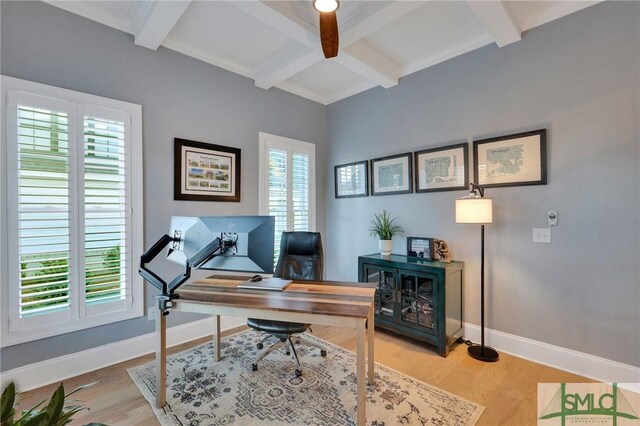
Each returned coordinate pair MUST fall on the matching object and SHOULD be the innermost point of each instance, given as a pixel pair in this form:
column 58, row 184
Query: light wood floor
column 506, row 388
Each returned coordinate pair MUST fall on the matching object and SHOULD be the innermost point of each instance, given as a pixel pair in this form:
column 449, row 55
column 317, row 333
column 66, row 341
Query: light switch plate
column 542, row 235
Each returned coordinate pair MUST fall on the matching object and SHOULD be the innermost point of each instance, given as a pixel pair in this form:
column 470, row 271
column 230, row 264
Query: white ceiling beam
column 361, row 59
column 152, row 20
column 370, row 63
column 497, row 21
column 284, row 64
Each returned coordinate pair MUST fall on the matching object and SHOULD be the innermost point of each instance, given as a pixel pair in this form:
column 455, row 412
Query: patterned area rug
column 203, row 392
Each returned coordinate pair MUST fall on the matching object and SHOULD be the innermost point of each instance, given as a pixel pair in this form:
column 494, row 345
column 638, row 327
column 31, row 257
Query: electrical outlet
column 542, row 235
column 152, row 313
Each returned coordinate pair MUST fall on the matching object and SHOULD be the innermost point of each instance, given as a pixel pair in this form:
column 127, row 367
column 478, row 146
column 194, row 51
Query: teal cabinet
column 417, row 298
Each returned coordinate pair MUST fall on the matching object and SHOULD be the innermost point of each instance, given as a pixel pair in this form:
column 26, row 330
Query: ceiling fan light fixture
column 326, row 5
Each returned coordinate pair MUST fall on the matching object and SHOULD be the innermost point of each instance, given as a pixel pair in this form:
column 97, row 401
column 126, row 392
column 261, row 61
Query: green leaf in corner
column 81, row 387
column 40, row 419
column 56, row 403
column 8, row 399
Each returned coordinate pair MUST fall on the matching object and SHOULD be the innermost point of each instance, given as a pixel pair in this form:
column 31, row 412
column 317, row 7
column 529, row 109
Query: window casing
column 287, row 184
column 72, row 198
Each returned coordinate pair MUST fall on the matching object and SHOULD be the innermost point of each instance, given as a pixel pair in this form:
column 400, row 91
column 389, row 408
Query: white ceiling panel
column 221, row 32
column 428, row 31
column 326, row 77
column 531, row 13
column 276, row 43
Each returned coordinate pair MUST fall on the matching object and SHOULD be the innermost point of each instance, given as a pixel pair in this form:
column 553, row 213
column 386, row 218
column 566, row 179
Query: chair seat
column 277, row 327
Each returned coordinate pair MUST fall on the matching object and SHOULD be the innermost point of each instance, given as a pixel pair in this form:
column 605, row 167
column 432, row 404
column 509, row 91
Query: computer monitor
column 246, row 242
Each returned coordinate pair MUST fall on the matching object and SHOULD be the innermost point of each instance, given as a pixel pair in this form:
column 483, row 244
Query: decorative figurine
column 442, row 251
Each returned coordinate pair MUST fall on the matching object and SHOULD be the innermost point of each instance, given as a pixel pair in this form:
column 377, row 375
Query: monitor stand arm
column 167, row 290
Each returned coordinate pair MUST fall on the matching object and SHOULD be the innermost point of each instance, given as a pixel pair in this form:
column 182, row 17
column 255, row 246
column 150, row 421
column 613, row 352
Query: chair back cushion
column 300, row 256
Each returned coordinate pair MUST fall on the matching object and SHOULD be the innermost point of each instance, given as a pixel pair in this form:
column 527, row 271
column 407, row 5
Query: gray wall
column 181, row 97
column 579, row 78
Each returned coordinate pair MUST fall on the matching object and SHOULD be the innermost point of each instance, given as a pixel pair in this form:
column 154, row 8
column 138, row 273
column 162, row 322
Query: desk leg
column 216, row 338
column 370, row 354
column 161, row 360
column 361, row 387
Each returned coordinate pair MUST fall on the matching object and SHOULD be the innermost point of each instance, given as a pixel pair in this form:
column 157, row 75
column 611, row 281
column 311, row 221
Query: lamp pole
column 481, row 214
column 482, row 286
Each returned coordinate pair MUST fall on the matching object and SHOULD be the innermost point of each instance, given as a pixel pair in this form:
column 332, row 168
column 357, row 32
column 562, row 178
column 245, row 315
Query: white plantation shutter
column 277, row 193
column 43, row 210
column 106, row 258
column 71, row 209
column 287, row 184
column 300, row 192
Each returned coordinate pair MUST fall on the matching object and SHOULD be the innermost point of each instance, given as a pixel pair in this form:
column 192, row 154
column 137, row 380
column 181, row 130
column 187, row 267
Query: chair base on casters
column 290, row 348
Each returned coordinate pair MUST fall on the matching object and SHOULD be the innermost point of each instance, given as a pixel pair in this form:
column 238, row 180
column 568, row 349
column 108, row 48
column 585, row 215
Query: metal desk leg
column 361, row 387
column 216, row 338
column 161, row 360
column 370, row 355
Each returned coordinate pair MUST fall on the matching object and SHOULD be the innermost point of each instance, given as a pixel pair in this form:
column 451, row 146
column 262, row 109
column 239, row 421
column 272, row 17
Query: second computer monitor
column 248, row 241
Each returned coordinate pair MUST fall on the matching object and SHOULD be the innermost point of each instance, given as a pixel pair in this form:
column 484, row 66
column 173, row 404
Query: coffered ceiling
column 276, row 43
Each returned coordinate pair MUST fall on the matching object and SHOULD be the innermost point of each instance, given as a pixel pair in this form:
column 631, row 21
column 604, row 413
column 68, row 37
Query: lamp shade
column 474, row 209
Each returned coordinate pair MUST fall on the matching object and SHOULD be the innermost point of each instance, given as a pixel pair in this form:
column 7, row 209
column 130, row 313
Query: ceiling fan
column 328, row 26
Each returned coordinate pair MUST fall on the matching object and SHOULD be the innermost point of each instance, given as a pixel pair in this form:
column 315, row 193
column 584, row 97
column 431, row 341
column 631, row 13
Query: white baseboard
column 590, row 366
column 57, row 369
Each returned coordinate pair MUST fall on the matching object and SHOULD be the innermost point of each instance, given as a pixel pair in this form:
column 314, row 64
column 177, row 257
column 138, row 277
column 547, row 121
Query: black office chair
column 300, row 259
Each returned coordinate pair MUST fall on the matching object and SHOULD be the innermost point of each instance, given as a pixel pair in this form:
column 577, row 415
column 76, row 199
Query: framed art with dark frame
column 442, row 169
column 513, row 160
column 392, row 175
column 205, row 172
column 420, row 247
column 352, row 179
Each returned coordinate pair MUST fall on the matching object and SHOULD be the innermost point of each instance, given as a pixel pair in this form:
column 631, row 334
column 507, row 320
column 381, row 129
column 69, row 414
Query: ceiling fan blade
column 329, row 34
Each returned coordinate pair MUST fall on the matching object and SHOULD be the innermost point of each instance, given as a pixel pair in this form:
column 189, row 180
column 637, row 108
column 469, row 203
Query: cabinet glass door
column 416, row 296
column 384, row 280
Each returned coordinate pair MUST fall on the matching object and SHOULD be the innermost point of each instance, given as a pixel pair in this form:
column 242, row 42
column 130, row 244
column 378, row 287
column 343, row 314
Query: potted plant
column 384, row 227
column 53, row 414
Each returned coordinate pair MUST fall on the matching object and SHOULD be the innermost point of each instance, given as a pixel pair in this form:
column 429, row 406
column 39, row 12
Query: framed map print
column 205, row 172
column 392, row 175
column 442, row 169
column 352, row 180
column 513, row 160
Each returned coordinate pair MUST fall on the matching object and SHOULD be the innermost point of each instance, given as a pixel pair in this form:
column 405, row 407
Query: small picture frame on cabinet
column 420, row 247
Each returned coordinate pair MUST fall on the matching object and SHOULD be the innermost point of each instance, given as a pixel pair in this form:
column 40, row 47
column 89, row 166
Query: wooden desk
column 337, row 304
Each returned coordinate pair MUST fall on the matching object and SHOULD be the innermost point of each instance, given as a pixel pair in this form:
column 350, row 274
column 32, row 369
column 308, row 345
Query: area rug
column 203, row 392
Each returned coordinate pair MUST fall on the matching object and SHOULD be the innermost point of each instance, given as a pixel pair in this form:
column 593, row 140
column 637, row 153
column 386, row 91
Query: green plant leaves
column 52, row 415
column 384, row 227
column 8, row 399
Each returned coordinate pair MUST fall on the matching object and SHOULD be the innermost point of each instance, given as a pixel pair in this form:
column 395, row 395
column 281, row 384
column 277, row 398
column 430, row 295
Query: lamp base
column 483, row 353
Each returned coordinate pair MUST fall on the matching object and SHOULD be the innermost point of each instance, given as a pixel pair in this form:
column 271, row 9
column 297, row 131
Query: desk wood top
column 311, row 297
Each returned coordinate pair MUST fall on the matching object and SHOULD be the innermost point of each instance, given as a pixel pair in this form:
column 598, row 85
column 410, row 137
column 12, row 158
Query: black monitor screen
column 248, row 241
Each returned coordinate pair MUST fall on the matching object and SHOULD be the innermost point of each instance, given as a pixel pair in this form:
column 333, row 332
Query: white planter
column 385, row 247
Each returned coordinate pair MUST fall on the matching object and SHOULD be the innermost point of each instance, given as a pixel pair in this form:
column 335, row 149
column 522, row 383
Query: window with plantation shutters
column 287, row 184
column 74, row 191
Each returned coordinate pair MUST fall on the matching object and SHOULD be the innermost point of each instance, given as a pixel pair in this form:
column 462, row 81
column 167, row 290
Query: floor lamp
column 475, row 208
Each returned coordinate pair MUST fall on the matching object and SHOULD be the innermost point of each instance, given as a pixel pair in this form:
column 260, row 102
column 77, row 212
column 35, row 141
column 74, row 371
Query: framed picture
column 442, row 169
column 513, row 160
column 205, row 172
column 392, row 175
column 352, row 180
column 420, row 247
